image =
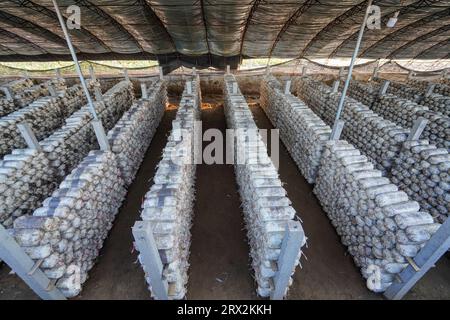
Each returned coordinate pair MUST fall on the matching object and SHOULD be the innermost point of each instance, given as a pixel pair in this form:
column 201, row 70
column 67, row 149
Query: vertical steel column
column 92, row 73
column 350, row 69
column 376, row 69
column 417, row 129
column 98, row 127
column 52, row 91
column 28, row 270
column 433, row 250
column 290, row 248
column 430, row 90
column 28, row 135
column 125, row 74
column 384, row 87
column 287, row 87
column 58, row 73
column 144, row 91
column 336, row 86
column 7, row 92
column 150, row 259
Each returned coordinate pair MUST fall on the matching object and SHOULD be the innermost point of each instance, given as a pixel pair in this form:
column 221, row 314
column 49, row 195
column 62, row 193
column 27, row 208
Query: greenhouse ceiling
column 219, row 32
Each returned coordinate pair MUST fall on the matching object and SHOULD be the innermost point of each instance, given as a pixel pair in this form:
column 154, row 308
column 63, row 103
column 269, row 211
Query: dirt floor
column 219, row 261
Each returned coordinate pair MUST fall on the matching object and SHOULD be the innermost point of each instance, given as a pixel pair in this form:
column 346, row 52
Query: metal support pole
column 350, row 69
column 433, row 250
column 417, row 129
column 92, row 73
column 144, row 92
column 58, row 73
column 189, row 87
column 150, row 259
column 27, row 133
column 336, row 86
column 100, row 132
column 287, row 87
column 125, row 74
column 341, row 72
column 290, row 249
column 384, row 87
column 13, row 255
column 98, row 129
column 52, row 90
column 98, row 94
column 337, row 133
column 375, row 70
column 228, row 69
column 161, row 74
column 430, row 90
column 7, row 92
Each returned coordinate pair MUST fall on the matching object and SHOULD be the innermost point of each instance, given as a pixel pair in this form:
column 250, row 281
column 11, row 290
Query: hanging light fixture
column 393, row 20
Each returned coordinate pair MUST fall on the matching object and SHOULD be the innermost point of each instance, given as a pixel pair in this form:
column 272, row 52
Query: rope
column 417, row 71
column 73, row 65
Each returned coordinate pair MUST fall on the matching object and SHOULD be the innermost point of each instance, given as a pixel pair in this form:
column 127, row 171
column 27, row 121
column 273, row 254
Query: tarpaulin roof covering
column 220, row 32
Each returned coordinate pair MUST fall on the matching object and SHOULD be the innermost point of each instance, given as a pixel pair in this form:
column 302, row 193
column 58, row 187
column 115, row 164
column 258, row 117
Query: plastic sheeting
column 201, row 32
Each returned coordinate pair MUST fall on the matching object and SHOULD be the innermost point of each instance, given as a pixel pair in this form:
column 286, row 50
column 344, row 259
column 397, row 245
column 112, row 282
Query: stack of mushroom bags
column 16, row 86
column 378, row 138
column 131, row 136
column 68, row 145
column 28, row 95
column 301, row 130
column 404, row 113
column 404, row 91
column 442, row 89
column 365, row 93
column 439, row 88
column 44, row 116
column 26, row 178
column 6, row 105
column 379, row 224
column 168, row 205
column 67, row 232
column 422, row 171
column 438, row 103
column 314, row 93
column 266, row 206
